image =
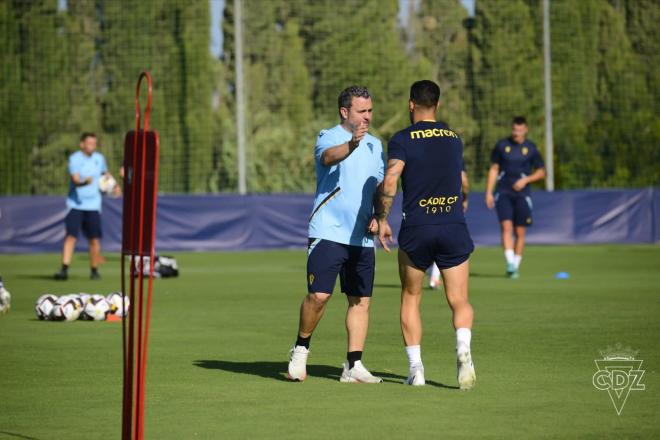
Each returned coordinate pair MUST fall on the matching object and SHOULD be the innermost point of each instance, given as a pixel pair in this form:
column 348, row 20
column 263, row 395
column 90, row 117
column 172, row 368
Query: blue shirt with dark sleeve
column 515, row 161
column 344, row 192
column 431, row 179
column 86, row 197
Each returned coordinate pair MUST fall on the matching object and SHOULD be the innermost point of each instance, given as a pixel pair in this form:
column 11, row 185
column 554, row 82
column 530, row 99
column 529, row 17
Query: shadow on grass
column 108, row 258
column 15, row 435
column 277, row 371
column 39, row 276
column 388, row 286
column 487, row 275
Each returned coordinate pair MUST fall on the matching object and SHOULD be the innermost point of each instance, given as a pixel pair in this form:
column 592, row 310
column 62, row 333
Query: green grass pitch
column 221, row 333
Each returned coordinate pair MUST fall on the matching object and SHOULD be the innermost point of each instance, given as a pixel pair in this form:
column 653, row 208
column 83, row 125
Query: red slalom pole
column 141, row 150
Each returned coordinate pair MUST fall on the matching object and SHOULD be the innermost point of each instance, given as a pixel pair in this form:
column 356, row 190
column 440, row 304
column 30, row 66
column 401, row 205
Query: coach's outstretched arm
column 334, row 155
column 384, row 199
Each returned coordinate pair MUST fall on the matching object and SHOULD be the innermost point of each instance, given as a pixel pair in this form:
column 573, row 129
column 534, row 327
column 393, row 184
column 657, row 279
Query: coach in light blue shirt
column 349, row 167
column 83, row 202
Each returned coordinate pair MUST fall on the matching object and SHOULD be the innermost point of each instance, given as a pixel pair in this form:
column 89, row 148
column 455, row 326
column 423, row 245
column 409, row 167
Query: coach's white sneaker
column 298, row 363
column 416, row 377
column 358, row 374
column 466, row 375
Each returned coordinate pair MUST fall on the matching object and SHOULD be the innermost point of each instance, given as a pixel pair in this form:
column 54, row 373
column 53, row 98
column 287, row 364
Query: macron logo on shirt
column 431, row 132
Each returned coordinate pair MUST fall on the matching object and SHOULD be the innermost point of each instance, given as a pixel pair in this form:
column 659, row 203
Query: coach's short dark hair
column 425, row 93
column 519, row 120
column 346, row 96
column 86, row 134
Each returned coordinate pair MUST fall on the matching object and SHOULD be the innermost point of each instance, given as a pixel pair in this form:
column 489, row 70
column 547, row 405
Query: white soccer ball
column 97, row 308
column 5, row 300
column 84, row 298
column 44, row 306
column 115, row 301
column 67, row 308
column 107, row 183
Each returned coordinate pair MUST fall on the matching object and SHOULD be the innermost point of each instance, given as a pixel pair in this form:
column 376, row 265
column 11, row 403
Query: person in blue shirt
column 349, row 166
column 83, row 203
column 428, row 157
column 515, row 163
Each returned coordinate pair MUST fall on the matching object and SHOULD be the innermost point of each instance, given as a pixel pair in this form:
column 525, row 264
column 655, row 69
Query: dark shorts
column 447, row 245
column 88, row 221
column 514, row 207
column 355, row 266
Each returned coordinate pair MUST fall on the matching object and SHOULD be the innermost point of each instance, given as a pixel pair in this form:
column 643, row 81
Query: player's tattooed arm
column 384, row 199
column 387, row 190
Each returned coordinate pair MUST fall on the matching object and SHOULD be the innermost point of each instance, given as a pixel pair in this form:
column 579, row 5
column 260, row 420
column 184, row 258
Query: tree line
column 72, row 69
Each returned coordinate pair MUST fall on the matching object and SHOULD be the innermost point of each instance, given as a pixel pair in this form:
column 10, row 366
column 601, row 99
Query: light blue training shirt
column 343, row 205
column 86, row 197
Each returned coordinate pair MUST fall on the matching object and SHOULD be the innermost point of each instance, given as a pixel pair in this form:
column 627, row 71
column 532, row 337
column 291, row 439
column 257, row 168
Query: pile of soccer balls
column 80, row 306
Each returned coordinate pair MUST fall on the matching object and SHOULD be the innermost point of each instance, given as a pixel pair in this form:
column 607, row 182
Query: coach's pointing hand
column 358, row 133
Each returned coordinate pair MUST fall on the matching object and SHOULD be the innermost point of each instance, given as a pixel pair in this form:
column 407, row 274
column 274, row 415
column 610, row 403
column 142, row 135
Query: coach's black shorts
column 88, row 221
column 514, row 207
column 355, row 266
column 446, row 245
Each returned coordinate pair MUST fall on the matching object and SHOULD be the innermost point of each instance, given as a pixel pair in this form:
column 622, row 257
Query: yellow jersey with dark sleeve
column 431, row 180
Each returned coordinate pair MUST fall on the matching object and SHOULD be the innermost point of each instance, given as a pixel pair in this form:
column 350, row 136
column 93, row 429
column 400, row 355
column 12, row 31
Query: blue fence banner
column 233, row 222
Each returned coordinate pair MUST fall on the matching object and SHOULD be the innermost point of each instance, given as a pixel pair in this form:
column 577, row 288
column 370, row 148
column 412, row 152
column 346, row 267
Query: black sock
column 303, row 342
column 94, row 270
column 353, row 356
column 65, row 267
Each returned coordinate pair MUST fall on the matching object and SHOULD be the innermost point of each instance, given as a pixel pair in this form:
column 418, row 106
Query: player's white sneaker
column 298, row 363
column 416, row 377
column 358, row 374
column 465, row 370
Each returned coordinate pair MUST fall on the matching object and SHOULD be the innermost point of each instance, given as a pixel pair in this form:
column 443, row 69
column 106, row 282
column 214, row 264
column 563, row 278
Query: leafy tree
column 443, row 42
column 17, row 123
column 508, row 72
column 358, row 42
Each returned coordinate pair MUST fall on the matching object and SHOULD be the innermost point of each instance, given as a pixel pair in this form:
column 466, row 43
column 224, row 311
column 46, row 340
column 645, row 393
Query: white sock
column 463, row 338
column 516, row 261
column 509, row 255
column 414, row 353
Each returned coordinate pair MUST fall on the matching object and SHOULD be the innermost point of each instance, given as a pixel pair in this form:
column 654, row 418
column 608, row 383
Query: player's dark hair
column 346, row 96
column 86, row 134
column 519, row 120
column 425, row 93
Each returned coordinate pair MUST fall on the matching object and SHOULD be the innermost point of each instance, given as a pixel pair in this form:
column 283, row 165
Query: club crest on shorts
column 618, row 373
column 310, row 278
